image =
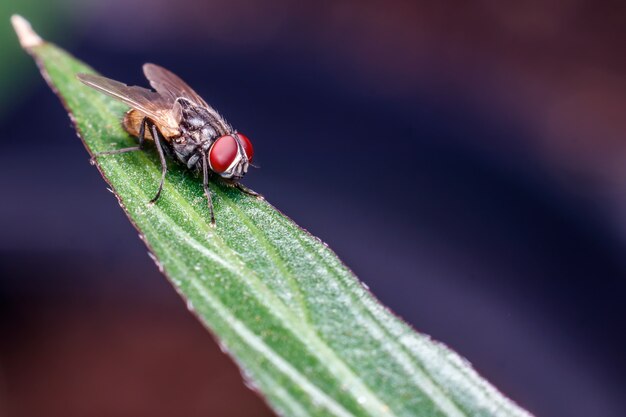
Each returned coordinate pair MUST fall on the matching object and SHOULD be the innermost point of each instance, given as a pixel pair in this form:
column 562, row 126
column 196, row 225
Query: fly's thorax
column 199, row 128
column 200, row 122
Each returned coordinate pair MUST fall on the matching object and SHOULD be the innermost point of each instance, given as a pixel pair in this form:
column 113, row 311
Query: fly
column 182, row 125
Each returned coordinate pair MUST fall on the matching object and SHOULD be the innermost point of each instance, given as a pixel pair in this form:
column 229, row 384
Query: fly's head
column 230, row 155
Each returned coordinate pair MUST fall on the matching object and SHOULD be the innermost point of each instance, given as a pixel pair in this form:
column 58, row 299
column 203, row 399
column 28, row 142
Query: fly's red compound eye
column 223, row 153
column 247, row 146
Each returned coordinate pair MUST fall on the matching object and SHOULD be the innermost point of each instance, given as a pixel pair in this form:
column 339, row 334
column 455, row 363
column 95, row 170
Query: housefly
column 182, row 125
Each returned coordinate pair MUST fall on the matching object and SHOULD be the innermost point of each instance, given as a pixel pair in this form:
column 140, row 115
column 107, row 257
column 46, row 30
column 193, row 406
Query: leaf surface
column 302, row 328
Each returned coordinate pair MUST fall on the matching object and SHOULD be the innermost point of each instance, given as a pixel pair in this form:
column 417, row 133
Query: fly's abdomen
column 132, row 123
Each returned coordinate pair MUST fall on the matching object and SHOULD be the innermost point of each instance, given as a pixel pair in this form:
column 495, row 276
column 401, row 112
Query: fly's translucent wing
column 170, row 85
column 153, row 105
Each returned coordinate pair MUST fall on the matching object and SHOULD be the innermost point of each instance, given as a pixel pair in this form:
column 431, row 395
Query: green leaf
column 302, row 328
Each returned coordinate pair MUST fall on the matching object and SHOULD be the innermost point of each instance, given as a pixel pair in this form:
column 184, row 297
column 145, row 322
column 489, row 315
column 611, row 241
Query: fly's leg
column 207, row 191
column 142, row 141
column 157, row 141
column 248, row 191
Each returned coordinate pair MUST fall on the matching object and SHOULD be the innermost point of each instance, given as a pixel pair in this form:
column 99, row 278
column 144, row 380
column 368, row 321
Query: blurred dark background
column 466, row 159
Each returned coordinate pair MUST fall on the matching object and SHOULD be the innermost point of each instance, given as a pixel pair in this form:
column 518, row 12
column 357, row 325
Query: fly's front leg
column 142, row 141
column 157, row 141
column 207, row 191
column 248, row 191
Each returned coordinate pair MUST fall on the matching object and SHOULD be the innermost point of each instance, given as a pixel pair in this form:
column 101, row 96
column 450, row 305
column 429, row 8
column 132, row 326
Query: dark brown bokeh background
column 466, row 159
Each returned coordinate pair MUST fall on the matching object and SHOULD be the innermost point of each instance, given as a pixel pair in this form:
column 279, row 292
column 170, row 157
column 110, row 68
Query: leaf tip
column 27, row 36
